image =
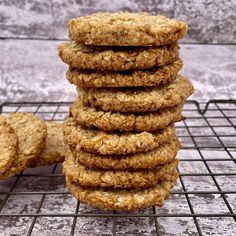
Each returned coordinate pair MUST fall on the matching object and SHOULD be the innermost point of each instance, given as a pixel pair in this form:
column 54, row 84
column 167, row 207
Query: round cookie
column 55, row 149
column 143, row 78
column 97, row 141
column 149, row 160
column 116, row 58
column 125, row 28
column 124, row 199
column 32, row 133
column 111, row 121
column 8, row 145
column 137, row 100
column 87, row 177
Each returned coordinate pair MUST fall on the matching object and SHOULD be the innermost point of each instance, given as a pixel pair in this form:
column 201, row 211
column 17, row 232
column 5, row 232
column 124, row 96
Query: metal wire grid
column 208, row 139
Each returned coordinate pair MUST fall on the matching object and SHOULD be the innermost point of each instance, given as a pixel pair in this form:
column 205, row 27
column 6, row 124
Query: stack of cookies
column 121, row 127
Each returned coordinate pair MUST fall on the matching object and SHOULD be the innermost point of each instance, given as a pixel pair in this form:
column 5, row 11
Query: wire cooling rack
column 36, row 202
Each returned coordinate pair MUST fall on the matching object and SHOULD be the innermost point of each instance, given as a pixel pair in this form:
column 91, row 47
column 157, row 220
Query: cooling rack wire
column 36, row 201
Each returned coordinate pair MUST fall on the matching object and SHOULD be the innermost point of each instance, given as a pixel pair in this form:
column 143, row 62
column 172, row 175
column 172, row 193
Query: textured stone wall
column 210, row 21
column 31, row 70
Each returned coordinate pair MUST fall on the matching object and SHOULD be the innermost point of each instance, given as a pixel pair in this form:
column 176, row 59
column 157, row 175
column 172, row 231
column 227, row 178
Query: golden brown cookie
column 110, row 121
column 124, row 199
column 8, row 145
column 84, row 176
column 149, row 160
column 31, row 132
column 143, row 78
column 137, row 100
column 116, row 58
column 97, row 141
column 126, row 28
column 55, row 149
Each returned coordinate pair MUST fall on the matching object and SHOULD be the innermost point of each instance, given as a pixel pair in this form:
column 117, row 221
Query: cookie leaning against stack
column 27, row 141
column 120, row 128
column 31, row 133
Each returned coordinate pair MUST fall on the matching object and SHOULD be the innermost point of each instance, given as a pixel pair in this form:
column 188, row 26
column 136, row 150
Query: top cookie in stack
column 126, row 29
column 120, row 130
column 129, row 30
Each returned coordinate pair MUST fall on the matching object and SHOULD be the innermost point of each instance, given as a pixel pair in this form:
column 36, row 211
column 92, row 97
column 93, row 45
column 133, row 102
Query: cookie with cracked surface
column 8, row 145
column 97, row 141
column 143, row 78
column 116, row 58
column 55, row 149
column 31, row 132
column 125, row 28
column 111, row 121
column 137, row 100
column 124, row 199
column 87, row 177
column 149, row 160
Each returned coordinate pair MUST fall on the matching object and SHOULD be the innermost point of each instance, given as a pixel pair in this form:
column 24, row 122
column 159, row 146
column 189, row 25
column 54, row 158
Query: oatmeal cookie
column 137, row 100
column 8, row 145
column 124, row 199
column 55, row 149
column 143, row 78
column 116, row 58
column 31, row 132
column 125, row 28
column 97, row 141
column 149, row 160
column 87, row 177
column 111, row 121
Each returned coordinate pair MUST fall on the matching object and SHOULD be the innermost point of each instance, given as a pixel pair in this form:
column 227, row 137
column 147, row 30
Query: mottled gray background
column 30, row 31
